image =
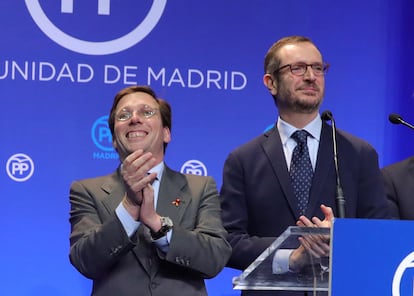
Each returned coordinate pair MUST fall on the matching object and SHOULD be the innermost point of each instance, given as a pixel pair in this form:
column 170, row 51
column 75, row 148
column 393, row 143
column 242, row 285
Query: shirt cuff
column 281, row 261
column 130, row 224
column 163, row 243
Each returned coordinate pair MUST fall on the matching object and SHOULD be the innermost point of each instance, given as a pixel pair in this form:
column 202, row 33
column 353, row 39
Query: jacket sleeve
column 97, row 239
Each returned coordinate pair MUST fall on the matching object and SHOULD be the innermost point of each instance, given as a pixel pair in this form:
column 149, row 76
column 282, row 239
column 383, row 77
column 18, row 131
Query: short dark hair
column 272, row 60
column 164, row 106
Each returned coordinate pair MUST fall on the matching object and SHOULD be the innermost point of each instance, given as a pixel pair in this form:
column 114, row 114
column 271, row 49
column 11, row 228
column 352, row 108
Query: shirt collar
column 286, row 130
column 159, row 169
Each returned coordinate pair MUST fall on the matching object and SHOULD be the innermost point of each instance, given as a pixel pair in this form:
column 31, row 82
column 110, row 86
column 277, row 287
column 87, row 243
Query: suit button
column 179, row 260
column 115, row 250
column 154, row 285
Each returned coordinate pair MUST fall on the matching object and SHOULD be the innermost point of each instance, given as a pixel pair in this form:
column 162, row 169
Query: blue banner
column 62, row 62
column 372, row 257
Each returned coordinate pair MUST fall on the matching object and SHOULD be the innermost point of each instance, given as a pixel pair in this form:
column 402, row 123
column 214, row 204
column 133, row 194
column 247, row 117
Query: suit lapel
column 172, row 201
column 324, row 162
column 272, row 146
column 115, row 190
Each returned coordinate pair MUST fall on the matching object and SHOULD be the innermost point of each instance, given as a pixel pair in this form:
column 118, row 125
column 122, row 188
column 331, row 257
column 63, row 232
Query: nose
column 309, row 75
column 136, row 117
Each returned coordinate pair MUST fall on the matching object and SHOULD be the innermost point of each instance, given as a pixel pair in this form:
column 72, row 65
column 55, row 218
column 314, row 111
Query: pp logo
column 101, row 134
column 20, row 167
column 403, row 277
column 103, row 15
column 194, row 167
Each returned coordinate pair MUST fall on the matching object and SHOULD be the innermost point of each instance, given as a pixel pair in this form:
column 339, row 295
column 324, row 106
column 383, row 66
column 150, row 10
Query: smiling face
column 300, row 94
column 139, row 129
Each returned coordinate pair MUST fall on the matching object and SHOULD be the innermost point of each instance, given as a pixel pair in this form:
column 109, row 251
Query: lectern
column 367, row 257
column 260, row 276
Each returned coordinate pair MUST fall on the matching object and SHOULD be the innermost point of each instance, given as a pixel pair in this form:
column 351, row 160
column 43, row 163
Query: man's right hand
column 134, row 171
column 312, row 246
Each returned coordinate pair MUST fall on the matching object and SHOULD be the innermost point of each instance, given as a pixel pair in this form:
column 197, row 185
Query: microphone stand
column 340, row 198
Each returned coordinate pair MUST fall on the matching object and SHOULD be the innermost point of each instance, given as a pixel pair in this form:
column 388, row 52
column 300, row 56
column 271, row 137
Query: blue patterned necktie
column 301, row 171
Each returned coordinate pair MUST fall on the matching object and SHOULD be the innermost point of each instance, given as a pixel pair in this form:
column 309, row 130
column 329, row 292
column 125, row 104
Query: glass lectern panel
column 260, row 276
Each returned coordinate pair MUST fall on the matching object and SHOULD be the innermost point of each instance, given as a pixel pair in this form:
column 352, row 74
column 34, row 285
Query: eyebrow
column 138, row 106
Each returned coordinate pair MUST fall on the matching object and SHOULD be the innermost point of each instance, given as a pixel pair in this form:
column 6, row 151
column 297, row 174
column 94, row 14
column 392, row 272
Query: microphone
column 397, row 119
column 340, row 198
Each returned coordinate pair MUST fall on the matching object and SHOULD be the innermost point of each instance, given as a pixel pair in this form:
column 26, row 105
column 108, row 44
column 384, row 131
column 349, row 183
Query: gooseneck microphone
column 340, row 198
column 397, row 119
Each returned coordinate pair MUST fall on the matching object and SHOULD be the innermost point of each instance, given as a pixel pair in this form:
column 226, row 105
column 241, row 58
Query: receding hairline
column 272, row 59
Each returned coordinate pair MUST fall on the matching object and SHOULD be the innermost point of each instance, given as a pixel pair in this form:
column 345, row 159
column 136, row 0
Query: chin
column 307, row 107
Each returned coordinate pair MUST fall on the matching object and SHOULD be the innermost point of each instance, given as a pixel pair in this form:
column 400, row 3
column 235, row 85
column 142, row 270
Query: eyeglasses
column 299, row 69
column 145, row 111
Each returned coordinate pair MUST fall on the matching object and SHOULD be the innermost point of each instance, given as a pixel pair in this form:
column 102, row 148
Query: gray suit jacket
column 399, row 184
column 119, row 265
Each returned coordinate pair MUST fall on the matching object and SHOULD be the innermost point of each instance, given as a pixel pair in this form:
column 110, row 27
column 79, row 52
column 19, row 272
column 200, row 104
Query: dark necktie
column 301, row 172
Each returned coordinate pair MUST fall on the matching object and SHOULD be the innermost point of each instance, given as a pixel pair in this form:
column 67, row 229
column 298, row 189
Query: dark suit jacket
column 257, row 198
column 118, row 265
column 399, row 186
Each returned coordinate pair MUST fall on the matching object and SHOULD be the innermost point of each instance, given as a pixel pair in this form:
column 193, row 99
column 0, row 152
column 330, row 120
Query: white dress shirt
column 286, row 130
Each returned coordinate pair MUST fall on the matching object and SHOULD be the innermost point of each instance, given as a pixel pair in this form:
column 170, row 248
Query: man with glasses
column 286, row 176
column 146, row 229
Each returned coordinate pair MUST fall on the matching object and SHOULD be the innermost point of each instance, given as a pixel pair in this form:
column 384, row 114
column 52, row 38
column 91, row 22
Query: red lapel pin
column 176, row 202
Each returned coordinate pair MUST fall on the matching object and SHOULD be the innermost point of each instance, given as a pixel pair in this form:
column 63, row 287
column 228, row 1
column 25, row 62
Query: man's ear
column 270, row 84
column 167, row 135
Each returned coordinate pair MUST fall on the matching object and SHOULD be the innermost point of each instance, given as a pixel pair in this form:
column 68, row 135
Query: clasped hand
column 139, row 197
column 312, row 246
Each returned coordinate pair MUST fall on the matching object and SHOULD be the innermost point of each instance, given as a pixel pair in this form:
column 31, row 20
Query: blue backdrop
column 62, row 62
